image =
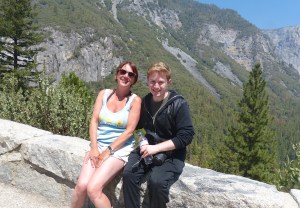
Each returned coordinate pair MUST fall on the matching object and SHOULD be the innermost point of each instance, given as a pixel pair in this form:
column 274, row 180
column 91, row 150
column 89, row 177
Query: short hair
column 159, row 67
column 133, row 67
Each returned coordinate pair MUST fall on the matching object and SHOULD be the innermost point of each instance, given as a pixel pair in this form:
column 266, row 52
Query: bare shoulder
column 101, row 92
column 137, row 99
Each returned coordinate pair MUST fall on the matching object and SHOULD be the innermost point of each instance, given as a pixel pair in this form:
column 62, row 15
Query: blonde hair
column 159, row 67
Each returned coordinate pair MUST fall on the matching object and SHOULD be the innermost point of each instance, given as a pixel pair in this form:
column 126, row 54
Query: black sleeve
column 184, row 127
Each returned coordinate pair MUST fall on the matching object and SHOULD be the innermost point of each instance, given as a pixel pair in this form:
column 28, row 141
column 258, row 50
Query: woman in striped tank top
column 115, row 116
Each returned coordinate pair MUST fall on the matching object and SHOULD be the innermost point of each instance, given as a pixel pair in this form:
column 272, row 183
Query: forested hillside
column 223, row 48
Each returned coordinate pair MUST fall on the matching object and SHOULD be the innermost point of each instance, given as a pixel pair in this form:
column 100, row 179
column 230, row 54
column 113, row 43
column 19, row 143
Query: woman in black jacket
column 165, row 116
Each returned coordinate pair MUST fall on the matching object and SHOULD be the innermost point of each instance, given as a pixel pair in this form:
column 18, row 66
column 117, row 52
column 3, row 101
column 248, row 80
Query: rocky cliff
column 92, row 55
column 89, row 56
column 40, row 162
column 287, row 44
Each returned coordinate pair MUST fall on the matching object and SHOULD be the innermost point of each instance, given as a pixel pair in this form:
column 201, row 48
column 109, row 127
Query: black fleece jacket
column 172, row 121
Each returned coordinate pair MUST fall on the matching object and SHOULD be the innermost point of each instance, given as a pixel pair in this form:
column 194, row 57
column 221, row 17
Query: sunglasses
column 130, row 74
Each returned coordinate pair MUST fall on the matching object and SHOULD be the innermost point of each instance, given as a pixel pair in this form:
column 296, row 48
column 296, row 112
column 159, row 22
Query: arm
column 147, row 150
column 94, row 151
column 184, row 127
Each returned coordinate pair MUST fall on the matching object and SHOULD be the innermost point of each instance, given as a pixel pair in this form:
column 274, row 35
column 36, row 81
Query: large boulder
column 40, row 162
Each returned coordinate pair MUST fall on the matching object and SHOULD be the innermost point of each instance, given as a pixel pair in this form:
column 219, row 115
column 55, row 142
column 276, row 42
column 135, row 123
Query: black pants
column 160, row 180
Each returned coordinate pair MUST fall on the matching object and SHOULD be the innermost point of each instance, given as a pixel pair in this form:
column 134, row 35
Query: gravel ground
column 12, row 197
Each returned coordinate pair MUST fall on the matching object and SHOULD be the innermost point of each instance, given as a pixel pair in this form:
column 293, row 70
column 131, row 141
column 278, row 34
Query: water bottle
column 143, row 141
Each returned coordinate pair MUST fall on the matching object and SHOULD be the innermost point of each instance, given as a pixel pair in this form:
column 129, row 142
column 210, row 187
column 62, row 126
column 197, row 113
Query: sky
column 264, row 14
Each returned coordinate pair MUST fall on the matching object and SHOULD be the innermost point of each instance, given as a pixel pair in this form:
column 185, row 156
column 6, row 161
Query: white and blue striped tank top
column 111, row 124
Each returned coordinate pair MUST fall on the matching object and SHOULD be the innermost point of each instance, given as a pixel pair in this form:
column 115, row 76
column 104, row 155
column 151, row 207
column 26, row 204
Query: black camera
column 159, row 158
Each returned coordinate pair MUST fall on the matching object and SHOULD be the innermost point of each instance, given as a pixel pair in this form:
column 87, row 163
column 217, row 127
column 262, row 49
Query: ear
column 169, row 81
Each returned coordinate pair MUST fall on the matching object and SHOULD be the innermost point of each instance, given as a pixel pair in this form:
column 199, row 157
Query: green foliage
column 200, row 154
column 250, row 148
column 64, row 110
column 73, row 15
column 13, row 100
column 18, row 34
column 289, row 175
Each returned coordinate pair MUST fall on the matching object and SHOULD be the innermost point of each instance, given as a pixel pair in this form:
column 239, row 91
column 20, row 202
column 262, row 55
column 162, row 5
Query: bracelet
column 111, row 151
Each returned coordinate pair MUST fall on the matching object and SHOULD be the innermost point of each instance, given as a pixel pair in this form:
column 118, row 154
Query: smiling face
column 158, row 85
column 159, row 78
column 129, row 69
column 126, row 75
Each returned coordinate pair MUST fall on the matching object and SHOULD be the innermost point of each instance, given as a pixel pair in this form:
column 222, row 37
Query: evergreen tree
column 250, row 148
column 18, row 36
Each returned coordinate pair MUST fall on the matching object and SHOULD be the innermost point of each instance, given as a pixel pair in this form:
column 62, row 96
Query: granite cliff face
column 89, row 56
column 287, row 44
column 245, row 50
column 92, row 56
column 94, row 59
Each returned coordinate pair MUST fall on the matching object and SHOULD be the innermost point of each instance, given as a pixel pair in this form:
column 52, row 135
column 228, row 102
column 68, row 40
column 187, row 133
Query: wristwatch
column 111, row 150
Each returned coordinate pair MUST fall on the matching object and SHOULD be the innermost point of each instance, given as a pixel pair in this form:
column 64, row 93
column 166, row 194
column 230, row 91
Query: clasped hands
column 96, row 157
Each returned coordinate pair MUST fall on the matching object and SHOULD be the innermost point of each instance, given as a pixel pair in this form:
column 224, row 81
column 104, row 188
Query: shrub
column 289, row 175
column 64, row 109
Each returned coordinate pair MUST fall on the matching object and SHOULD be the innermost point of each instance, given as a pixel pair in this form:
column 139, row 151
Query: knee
column 81, row 187
column 93, row 190
column 127, row 175
column 156, row 184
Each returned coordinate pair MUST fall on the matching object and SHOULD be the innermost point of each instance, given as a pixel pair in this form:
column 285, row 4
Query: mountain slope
column 209, row 50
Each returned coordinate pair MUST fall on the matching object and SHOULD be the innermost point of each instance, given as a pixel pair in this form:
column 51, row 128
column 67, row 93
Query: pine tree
column 250, row 148
column 18, row 35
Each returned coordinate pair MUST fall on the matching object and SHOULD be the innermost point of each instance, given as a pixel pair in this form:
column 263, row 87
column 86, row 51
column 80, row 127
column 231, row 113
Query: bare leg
column 80, row 192
column 103, row 175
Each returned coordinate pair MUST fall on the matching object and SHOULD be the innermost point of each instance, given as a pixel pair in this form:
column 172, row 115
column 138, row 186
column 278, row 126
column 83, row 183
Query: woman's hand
column 103, row 156
column 94, row 155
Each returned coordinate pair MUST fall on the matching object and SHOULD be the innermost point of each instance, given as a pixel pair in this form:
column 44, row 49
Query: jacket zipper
column 154, row 117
